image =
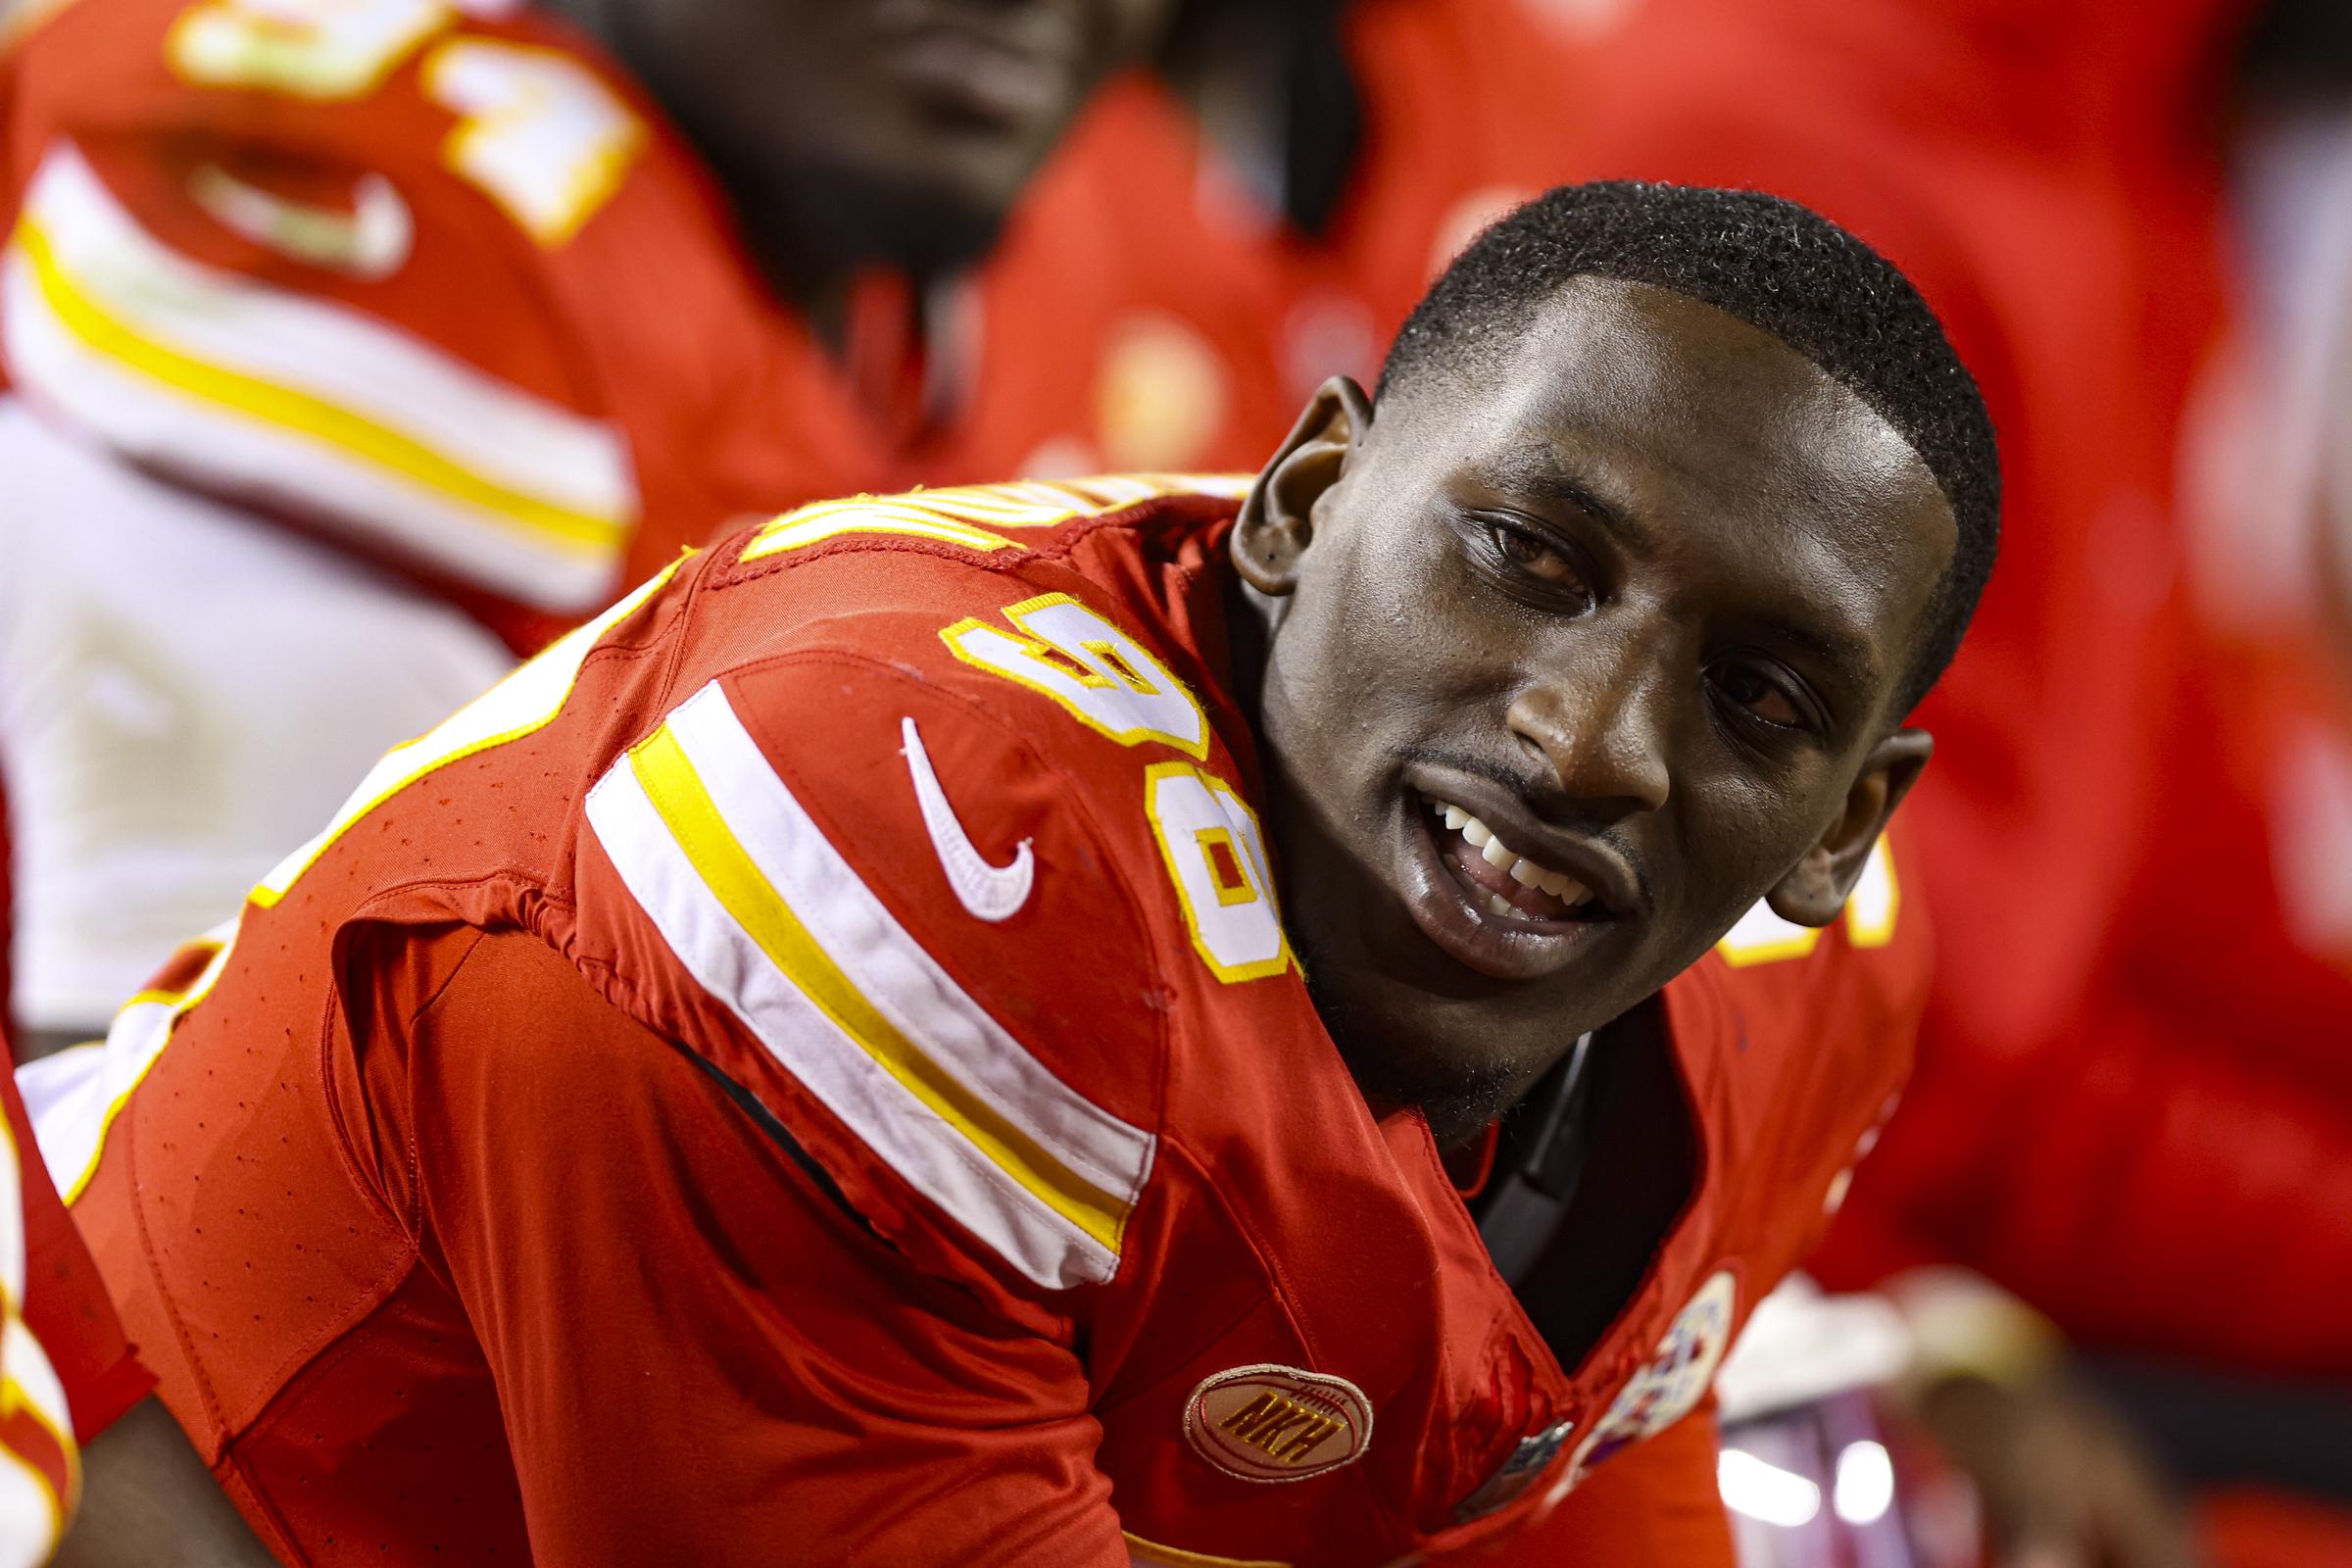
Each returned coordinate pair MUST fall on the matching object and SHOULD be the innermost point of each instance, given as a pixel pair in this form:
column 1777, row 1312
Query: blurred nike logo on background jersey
column 370, row 241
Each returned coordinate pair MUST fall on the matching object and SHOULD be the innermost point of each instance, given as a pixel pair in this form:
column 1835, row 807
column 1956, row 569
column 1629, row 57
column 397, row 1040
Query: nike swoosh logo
column 991, row 893
column 370, row 242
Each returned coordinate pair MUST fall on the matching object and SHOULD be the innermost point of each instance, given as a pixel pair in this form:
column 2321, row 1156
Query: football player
column 2102, row 1070
column 512, row 301
column 955, row 1028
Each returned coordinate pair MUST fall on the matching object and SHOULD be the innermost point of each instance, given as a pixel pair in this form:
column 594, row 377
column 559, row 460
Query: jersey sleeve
column 2189, row 1205
column 907, row 927
column 700, row 1354
column 68, row 1369
column 266, row 255
column 64, row 1301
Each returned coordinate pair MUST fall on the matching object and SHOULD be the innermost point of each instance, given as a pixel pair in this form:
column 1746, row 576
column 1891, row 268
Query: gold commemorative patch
column 1278, row 1423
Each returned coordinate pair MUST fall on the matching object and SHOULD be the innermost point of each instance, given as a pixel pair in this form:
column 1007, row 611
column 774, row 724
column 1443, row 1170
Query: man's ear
column 1278, row 519
column 1815, row 892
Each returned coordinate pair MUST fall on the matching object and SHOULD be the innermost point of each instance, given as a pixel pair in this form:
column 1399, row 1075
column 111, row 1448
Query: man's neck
column 1252, row 619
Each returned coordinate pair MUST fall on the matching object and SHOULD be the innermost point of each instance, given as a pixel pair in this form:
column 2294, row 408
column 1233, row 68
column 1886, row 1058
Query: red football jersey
column 814, row 1058
column 439, row 283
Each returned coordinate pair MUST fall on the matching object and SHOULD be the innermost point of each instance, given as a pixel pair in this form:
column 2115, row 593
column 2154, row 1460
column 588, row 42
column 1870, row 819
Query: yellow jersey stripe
column 74, row 1138
column 963, row 515
column 1150, row 1554
column 668, row 779
column 557, row 527
column 829, row 519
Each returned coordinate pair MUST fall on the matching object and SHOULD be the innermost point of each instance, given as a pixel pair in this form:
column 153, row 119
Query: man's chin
column 1397, row 1071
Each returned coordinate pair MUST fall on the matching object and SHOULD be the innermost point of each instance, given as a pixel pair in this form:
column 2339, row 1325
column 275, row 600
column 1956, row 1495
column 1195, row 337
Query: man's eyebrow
column 1848, row 656
column 1539, row 477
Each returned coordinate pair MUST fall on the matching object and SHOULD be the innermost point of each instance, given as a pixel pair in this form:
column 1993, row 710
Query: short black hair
column 1784, row 270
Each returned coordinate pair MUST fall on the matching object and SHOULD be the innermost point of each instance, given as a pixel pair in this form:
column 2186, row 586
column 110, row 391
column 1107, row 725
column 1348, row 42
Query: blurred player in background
column 828, row 1023
column 1339, row 152
column 493, row 307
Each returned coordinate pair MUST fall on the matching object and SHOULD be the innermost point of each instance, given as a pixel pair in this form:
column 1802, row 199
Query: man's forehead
column 1701, row 384
column 1663, row 404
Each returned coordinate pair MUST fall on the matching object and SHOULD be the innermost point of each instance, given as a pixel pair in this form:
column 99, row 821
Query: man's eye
column 1530, row 554
column 1759, row 695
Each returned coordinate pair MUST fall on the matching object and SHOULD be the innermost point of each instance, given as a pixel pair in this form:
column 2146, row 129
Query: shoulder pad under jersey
column 929, row 815
column 1815, row 1032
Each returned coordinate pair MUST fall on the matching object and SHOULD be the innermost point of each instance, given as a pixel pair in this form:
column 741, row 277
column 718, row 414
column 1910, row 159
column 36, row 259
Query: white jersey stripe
column 74, row 1096
column 963, row 1148
column 728, row 962
column 888, row 964
column 29, row 1515
column 258, row 391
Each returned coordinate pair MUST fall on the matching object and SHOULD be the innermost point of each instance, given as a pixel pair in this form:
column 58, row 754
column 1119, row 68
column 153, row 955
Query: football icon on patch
column 1277, row 1423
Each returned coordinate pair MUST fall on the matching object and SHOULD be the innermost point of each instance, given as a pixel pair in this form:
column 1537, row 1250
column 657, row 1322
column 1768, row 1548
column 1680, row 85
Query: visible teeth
column 1521, row 870
column 1565, row 888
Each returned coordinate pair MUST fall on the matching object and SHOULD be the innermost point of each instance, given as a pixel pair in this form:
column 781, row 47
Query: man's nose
column 1599, row 723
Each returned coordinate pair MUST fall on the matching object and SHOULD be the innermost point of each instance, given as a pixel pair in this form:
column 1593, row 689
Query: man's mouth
column 1500, row 879
column 1003, row 68
column 1491, row 904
